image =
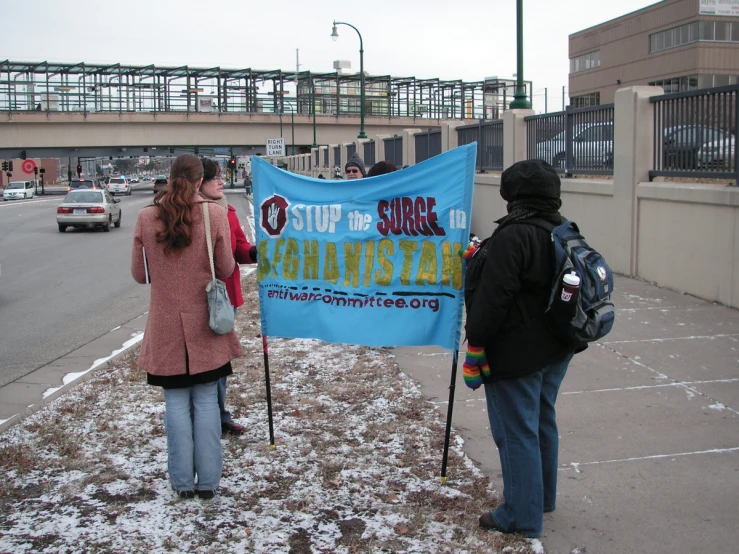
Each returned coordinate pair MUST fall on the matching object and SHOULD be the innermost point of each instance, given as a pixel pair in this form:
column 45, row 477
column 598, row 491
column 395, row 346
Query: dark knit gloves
column 475, row 367
column 253, row 254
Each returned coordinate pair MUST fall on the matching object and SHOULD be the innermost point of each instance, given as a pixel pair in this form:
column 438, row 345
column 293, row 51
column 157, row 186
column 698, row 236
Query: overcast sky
column 423, row 38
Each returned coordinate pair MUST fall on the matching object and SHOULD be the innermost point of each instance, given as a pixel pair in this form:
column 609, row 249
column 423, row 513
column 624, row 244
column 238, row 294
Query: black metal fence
column 695, row 133
column 337, row 157
column 489, row 138
column 428, row 145
column 325, row 158
column 394, row 150
column 577, row 140
column 369, row 153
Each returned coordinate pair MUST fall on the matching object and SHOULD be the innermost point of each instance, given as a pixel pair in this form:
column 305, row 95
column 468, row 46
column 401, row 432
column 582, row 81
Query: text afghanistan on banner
column 369, row 261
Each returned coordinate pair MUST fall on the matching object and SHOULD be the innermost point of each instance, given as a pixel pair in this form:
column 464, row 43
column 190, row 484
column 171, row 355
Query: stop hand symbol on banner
column 28, row 166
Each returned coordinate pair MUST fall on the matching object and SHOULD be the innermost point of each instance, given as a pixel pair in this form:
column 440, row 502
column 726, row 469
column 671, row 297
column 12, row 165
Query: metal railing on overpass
column 489, row 138
column 695, row 133
column 91, row 88
column 575, row 141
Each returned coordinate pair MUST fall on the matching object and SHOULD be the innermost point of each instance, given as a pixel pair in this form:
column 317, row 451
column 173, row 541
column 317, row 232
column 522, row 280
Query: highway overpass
column 77, row 134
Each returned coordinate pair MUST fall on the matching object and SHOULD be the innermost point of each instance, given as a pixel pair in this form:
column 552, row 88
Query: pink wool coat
column 178, row 309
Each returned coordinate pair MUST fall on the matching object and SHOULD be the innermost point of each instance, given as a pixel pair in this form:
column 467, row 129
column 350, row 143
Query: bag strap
column 206, row 220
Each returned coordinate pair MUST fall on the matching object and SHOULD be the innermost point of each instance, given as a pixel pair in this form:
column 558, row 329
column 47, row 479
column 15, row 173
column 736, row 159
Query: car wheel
column 118, row 223
column 106, row 227
column 62, row 228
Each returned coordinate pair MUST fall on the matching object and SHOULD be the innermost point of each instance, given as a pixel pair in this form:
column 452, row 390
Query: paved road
column 60, row 291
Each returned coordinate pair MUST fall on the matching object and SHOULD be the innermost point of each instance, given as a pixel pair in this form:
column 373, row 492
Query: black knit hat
column 380, row 168
column 529, row 179
column 355, row 160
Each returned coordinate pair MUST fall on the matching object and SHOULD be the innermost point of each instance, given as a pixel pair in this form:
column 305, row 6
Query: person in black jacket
column 512, row 352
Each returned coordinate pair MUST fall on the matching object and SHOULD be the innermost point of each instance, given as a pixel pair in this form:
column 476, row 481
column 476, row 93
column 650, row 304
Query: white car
column 119, row 185
column 718, row 154
column 87, row 209
column 591, row 145
column 18, row 190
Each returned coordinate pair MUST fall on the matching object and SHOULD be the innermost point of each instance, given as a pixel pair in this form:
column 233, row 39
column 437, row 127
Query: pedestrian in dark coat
column 514, row 354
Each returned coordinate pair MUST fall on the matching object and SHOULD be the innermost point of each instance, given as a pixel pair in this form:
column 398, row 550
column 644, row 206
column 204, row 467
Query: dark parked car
column 160, row 183
column 683, row 143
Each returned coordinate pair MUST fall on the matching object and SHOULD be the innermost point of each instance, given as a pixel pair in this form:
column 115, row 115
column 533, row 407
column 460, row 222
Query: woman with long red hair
column 179, row 351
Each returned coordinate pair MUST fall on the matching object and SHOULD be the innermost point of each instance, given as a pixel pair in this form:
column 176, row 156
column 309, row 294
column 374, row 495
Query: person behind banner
column 179, row 351
column 354, row 168
column 244, row 253
column 512, row 352
column 381, row 168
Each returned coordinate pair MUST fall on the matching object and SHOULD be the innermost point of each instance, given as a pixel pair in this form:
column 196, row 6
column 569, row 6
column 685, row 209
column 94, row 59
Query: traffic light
column 232, row 163
column 35, row 170
column 23, row 154
column 79, row 170
column 42, row 171
column 5, row 166
column 10, row 166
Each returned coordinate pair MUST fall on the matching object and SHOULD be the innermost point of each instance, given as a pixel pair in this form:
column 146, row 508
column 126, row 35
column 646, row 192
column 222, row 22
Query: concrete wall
column 678, row 235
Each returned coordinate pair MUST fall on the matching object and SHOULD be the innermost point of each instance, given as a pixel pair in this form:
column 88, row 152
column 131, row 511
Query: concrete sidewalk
column 649, row 426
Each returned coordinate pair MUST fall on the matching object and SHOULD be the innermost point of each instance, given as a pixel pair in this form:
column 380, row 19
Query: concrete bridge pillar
column 409, row 146
column 632, row 159
column 514, row 136
column 449, row 137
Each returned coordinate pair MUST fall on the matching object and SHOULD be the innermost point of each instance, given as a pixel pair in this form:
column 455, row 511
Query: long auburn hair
column 175, row 205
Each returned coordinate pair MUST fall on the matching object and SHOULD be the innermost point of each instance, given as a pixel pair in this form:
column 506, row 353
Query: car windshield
column 16, row 185
column 117, row 181
column 78, row 196
column 82, row 184
column 160, row 181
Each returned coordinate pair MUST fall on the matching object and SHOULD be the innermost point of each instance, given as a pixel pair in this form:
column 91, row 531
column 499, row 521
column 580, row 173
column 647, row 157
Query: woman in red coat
column 180, row 352
column 243, row 253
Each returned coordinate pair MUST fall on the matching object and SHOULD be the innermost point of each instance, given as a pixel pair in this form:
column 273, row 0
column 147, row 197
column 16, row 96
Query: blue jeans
column 225, row 414
column 524, row 426
column 193, row 437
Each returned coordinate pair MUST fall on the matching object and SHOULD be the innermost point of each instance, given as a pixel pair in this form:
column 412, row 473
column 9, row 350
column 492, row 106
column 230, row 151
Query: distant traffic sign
column 276, row 147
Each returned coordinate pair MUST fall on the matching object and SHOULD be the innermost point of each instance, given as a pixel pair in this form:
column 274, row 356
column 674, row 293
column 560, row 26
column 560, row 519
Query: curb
column 89, row 374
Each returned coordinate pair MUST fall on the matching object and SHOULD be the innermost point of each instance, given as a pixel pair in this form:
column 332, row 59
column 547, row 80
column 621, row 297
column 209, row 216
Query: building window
column 695, row 82
column 712, row 31
column 585, row 62
column 586, row 100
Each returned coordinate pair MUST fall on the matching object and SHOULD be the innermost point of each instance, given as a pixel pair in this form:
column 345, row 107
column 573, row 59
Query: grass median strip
column 355, row 468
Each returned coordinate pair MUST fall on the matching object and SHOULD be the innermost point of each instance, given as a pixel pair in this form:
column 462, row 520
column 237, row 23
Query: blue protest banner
column 368, row 261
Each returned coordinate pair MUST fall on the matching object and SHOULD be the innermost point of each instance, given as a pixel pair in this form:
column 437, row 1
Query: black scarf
column 526, row 208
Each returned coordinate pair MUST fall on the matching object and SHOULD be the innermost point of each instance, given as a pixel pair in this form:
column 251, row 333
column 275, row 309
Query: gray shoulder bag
column 220, row 309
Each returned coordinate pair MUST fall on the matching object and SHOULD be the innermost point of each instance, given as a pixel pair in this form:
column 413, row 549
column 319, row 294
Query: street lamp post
column 313, row 109
column 520, row 102
column 335, row 36
column 292, row 121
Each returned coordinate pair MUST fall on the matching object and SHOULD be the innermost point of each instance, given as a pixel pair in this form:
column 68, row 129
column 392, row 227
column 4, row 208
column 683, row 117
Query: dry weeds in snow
column 355, row 469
